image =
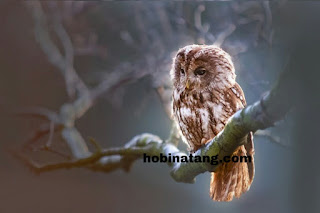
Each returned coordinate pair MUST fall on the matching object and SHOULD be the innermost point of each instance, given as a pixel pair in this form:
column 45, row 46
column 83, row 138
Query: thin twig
column 51, row 132
column 272, row 138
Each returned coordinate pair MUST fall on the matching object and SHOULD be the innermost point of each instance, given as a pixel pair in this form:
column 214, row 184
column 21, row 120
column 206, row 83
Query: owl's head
column 202, row 67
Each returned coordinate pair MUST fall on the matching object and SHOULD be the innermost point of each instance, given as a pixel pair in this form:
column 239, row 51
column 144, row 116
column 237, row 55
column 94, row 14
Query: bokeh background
column 111, row 37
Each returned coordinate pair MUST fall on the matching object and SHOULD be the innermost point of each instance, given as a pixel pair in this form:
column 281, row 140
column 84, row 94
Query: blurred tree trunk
column 305, row 62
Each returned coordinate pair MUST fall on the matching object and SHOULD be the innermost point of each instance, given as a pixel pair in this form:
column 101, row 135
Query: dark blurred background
column 110, row 37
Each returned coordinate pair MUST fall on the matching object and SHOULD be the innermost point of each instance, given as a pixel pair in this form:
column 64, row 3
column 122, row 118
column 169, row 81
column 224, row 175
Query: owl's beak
column 187, row 84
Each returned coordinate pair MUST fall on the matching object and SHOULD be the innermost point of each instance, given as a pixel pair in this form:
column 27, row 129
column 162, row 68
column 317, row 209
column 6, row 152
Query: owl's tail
column 233, row 178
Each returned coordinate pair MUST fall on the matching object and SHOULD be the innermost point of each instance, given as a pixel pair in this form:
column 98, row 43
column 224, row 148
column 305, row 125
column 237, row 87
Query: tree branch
column 260, row 115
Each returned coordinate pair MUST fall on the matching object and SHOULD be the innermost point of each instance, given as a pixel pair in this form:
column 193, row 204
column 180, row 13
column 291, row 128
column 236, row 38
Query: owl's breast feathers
column 202, row 115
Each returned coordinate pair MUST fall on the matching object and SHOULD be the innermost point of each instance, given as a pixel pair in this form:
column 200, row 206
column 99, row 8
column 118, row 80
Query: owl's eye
column 182, row 71
column 200, row 71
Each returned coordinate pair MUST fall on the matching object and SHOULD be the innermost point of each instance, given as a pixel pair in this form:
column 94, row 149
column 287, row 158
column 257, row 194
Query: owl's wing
column 238, row 96
column 249, row 146
column 250, row 152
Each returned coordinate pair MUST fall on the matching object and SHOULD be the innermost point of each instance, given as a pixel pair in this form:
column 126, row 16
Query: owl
column 205, row 96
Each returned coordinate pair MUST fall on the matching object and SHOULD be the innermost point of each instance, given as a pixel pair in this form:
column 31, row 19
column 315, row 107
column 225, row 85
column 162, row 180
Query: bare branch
column 223, row 35
column 38, row 134
column 267, row 32
column 272, row 138
column 64, row 63
column 203, row 28
column 38, row 112
column 259, row 115
column 51, row 132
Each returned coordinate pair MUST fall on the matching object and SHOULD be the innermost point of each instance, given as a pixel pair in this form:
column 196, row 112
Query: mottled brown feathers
column 205, row 96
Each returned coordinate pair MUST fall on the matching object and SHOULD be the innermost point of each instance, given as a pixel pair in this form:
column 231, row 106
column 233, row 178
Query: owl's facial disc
column 199, row 68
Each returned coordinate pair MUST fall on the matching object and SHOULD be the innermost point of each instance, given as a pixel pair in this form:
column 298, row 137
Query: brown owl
column 205, row 96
